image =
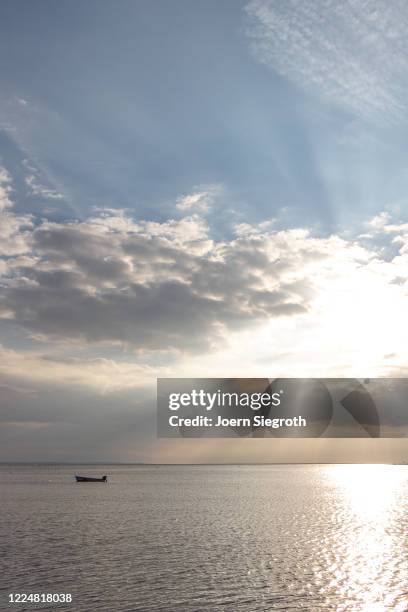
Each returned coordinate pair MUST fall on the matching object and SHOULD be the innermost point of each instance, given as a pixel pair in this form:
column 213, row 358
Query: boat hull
column 89, row 479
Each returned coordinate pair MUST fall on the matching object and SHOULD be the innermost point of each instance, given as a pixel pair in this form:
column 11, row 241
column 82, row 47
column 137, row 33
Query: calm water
column 208, row 538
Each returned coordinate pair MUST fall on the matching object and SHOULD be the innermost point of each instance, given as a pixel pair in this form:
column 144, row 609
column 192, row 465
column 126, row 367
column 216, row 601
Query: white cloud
column 352, row 53
column 13, row 228
column 383, row 223
column 14, row 235
column 35, row 185
column 198, row 201
column 5, row 189
column 40, row 191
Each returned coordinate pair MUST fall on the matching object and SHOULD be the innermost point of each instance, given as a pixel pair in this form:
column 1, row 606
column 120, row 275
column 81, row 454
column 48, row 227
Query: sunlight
column 368, row 535
column 370, row 491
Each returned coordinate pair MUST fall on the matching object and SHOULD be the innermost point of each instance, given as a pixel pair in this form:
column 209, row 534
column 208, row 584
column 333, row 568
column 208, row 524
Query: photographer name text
column 255, row 421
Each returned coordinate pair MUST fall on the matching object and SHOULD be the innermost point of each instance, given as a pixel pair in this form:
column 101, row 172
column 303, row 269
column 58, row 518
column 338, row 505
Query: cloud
column 13, row 235
column 5, row 189
column 170, row 292
column 40, row 191
column 351, row 53
column 102, row 375
column 35, row 186
column 382, row 223
column 13, row 227
column 151, row 285
column 199, row 201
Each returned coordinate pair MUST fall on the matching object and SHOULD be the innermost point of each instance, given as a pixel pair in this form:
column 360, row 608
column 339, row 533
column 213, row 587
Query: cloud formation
column 168, row 291
column 170, row 286
column 5, row 189
column 40, row 191
column 13, row 227
column 199, row 201
column 352, row 53
column 27, row 369
column 152, row 285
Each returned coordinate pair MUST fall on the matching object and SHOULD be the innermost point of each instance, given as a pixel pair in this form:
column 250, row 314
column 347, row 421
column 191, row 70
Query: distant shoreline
column 144, row 464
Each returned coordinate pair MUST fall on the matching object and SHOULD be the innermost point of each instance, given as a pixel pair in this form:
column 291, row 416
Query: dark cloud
column 155, row 286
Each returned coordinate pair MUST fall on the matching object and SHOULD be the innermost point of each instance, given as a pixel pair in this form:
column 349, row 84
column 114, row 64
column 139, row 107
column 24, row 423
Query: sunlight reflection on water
column 371, row 545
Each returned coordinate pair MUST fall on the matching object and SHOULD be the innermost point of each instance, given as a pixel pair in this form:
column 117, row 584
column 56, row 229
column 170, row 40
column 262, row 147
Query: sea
column 206, row 538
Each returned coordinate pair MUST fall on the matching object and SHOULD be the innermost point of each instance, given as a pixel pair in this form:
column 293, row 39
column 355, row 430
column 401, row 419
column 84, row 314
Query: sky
column 209, row 188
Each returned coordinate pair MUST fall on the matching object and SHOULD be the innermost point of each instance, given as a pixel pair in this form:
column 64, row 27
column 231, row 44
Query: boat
column 90, row 479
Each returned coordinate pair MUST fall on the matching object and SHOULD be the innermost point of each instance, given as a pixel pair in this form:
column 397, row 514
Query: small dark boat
column 89, row 479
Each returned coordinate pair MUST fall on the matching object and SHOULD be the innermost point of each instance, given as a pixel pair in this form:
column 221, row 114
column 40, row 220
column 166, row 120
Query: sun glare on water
column 367, row 571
